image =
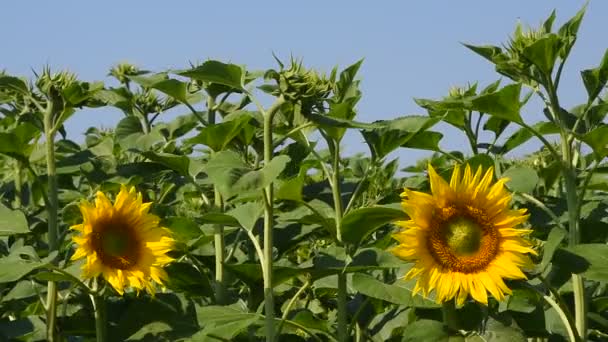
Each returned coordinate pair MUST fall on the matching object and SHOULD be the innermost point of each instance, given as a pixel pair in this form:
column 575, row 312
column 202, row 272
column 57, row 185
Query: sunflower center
column 116, row 243
column 463, row 236
column 463, row 239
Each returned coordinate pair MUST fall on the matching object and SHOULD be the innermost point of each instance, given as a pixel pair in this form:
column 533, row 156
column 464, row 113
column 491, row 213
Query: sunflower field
column 243, row 220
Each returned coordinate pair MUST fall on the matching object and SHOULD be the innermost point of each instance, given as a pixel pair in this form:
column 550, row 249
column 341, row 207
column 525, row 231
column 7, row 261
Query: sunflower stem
column 569, row 172
column 450, row 316
column 268, row 222
column 218, row 230
column 99, row 305
column 49, row 133
column 337, row 197
column 18, row 184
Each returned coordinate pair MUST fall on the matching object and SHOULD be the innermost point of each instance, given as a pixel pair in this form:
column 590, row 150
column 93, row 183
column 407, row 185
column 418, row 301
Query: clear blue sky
column 411, row 49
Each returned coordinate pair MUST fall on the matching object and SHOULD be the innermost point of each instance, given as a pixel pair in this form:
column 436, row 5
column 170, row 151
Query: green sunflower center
column 115, row 243
column 463, row 236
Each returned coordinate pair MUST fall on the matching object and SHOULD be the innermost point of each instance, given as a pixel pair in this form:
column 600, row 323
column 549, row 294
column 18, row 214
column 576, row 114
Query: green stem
column 18, row 184
column 569, row 172
column 342, row 281
column 450, row 316
column 218, row 229
column 268, row 222
column 49, row 133
column 99, row 305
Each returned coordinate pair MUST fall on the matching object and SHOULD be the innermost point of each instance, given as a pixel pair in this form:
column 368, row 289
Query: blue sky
column 411, row 49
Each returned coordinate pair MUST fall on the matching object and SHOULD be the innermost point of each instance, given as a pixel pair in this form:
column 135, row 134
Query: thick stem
column 450, row 316
column 49, row 133
column 99, row 305
column 268, row 224
column 218, row 230
column 342, row 281
column 569, row 172
column 18, row 184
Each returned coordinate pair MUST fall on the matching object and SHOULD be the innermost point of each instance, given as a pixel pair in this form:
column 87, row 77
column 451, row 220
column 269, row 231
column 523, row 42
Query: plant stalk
column 49, row 133
column 18, row 184
column 569, row 171
column 268, row 224
column 342, row 281
column 450, row 316
column 218, row 230
column 99, row 305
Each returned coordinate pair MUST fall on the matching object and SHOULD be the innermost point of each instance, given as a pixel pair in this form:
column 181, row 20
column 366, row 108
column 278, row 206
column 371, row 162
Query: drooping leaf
column 598, row 140
column 396, row 293
column 217, row 72
column 12, row 222
column 553, row 240
column 359, row 223
column 524, row 134
column 503, row 103
column 218, row 136
column 595, row 79
column 522, row 179
column 179, row 163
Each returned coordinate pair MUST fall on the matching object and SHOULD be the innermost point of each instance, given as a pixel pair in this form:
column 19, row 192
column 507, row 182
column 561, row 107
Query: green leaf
column 523, row 300
column 127, row 126
column 503, row 103
column 291, row 189
column 597, row 139
column 13, row 83
column 595, row 79
column 178, row 163
column 543, row 52
column 396, row 293
column 489, row 52
column 524, row 134
column 184, row 228
column 217, row 72
column 174, row 88
column 247, row 214
column 14, row 266
column 556, row 236
column 233, row 176
column 218, row 136
column 12, row 222
column 522, row 179
column 427, row 330
column 483, row 160
column 597, row 257
column 186, row 278
column 394, row 133
column 360, row 223
column 425, row 140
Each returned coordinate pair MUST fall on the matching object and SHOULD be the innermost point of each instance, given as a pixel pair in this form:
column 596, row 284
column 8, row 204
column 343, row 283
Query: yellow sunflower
column 463, row 238
column 122, row 242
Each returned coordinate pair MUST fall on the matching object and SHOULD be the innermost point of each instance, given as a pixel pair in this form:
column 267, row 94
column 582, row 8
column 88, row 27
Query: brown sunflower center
column 463, row 239
column 116, row 243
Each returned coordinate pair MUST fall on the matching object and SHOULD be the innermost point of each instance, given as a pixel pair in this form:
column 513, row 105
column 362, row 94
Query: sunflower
column 463, row 238
column 122, row 242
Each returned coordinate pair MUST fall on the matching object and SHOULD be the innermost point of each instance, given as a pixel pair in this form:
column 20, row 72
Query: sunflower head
column 463, row 238
column 123, row 242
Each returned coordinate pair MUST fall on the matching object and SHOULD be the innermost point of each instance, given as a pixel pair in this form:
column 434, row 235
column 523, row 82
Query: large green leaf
column 598, row 140
column 503, row 103
column 543, row 52
column 556, row 236
column 247, row 214
column 12, row 222
column 217, row 72
column 13, row 83
column 233, row 176
column 359, row 223
column 524, row 134
column 218, row 136
column 397, row 293
column 595, row 79
column 394, row 133
column 522, row 178
column 596, row 256
column 18, row 264
column 179, row 163
column 428, row 330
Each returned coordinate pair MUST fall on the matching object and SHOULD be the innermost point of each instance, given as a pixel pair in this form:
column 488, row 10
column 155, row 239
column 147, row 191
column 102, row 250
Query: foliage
column 264, row 215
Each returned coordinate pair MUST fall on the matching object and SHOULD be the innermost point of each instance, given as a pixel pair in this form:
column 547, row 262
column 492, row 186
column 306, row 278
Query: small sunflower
column 122, row 242
column 463, row 238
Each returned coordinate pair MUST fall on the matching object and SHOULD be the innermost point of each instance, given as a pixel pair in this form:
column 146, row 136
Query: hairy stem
column 268, row 223
column 99, row 305
column 49, row 133
column 18, row 184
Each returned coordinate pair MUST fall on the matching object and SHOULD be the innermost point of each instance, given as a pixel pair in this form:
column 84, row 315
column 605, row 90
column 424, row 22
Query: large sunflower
column 463, row 238
column 122, row 242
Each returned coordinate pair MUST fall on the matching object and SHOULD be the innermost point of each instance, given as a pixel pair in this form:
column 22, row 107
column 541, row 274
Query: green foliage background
column 228, row 169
